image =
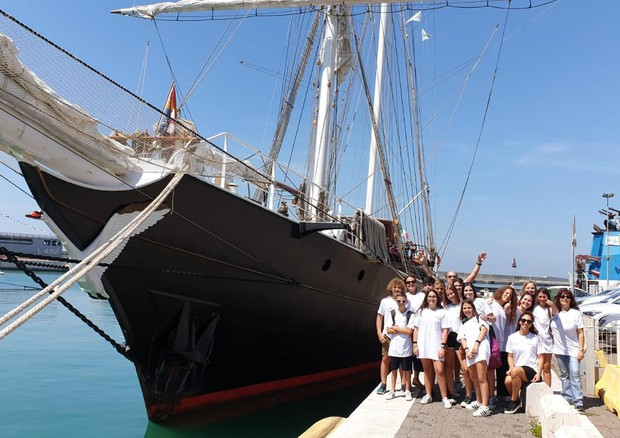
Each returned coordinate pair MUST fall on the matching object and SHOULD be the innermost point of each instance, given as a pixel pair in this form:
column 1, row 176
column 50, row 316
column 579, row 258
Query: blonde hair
column 395, row 282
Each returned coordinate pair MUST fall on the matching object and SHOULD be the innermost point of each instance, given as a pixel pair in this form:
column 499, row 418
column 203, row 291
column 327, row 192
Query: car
column 601, row 296
column 608, row 305
column 579, row 294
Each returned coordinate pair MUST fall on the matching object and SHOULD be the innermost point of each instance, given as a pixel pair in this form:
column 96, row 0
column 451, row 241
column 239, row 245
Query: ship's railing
column 289, row 187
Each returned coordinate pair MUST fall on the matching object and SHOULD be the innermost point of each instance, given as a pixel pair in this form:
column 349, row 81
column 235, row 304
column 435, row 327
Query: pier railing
column 602, row 350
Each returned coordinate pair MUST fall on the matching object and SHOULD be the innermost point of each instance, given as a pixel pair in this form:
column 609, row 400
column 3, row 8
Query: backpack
column 495, row 361
column 409, row 313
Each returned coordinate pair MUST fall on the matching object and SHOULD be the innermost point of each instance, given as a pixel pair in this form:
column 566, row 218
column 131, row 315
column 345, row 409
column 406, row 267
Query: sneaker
column 466, row 402
column 474, row 405
column 426, row 399
column 390, row 395
column 446, row 403
column 381, row 389
column 513, row 407
column 408, row 396
column 492, row 403
column 482, row 411
column 451, row 400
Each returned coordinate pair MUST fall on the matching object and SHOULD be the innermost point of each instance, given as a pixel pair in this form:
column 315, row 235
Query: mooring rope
column 90, row 262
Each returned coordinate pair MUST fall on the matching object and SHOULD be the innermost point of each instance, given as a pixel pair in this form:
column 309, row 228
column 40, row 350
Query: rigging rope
column 62, row 283
column 444, row 244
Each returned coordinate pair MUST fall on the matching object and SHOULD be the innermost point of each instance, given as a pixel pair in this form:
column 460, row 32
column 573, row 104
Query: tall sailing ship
column 232, row 275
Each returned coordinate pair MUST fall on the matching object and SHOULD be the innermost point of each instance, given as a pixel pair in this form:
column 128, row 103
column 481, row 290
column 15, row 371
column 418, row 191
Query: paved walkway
column 435, row 420
column 378, row 417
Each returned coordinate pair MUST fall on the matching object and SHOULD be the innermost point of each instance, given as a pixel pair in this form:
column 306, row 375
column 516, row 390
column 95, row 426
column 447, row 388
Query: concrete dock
column 378, row 417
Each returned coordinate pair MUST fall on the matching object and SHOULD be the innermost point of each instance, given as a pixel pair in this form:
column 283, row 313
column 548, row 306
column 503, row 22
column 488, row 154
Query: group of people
column 498, row 344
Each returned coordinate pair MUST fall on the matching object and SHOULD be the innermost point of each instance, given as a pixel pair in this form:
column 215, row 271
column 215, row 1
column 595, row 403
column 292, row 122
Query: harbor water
column 59, row 378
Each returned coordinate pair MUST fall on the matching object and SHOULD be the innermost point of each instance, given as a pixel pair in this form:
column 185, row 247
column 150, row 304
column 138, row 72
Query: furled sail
column 26, row 93
column 151, row 11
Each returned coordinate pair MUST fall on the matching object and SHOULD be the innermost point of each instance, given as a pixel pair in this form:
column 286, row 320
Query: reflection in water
column 284, row 420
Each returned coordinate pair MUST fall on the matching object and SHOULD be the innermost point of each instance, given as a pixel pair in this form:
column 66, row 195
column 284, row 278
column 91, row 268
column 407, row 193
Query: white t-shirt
column 430, row 324
column 401, row 345
column 500, row 325
column 524, row 348
column 415, row 301
column 541, row 322
column 386, row 304
column 453, row 313
column 482, row 306
column 470, row 331
column 564, row 327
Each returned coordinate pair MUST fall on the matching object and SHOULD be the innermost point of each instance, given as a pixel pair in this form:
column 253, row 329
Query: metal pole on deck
column 607, row 196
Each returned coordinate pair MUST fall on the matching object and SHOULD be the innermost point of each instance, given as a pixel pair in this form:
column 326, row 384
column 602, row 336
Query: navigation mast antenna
column 607, row 196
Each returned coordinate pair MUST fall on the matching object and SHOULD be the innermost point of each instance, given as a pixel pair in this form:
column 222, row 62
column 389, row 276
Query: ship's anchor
column 188, row 343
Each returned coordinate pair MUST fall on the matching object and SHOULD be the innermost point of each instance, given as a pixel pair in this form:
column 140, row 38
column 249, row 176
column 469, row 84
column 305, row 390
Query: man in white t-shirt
column 399, row 326
column 396, row 285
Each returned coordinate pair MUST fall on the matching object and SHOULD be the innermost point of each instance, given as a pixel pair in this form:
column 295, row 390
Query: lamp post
column 607, row 196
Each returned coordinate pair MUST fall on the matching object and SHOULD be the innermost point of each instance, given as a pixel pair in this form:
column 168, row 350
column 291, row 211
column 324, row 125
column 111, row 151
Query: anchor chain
column 11, row 257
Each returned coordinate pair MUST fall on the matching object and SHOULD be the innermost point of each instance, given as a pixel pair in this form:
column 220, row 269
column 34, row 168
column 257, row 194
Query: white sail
column 151, row 11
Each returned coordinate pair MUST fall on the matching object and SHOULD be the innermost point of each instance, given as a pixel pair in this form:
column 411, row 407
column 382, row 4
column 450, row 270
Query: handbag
column 495, row 361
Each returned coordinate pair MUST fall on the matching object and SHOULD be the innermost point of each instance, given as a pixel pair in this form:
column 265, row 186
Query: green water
column 60, row 379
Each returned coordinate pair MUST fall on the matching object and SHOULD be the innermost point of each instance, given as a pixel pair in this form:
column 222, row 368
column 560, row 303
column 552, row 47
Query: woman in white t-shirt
column 475, row 343
column 569, row 346
column 526, row 302
column 523, row 360
column 452, row 304
column 470, row 293
column 502, row 317
column 543, row 312
column 430, row 335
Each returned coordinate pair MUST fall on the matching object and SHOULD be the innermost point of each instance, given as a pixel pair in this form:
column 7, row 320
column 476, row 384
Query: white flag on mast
column 416, row 17
column 425, row 35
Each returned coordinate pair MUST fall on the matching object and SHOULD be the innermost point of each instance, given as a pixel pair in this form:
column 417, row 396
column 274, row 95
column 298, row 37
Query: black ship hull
column 221, row 301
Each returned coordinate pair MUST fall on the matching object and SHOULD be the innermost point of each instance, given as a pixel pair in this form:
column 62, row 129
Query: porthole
column 360, row 276
column 327, row 264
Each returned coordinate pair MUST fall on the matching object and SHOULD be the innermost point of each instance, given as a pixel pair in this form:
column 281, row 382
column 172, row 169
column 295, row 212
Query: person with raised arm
column 452, row 275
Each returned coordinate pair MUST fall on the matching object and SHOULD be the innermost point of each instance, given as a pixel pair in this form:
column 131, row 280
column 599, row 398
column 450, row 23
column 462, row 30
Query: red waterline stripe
column 262, row 388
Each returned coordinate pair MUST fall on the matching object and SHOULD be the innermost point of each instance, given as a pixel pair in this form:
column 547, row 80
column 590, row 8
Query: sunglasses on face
column 526, row 321
column 410, row 282
column 565, row 297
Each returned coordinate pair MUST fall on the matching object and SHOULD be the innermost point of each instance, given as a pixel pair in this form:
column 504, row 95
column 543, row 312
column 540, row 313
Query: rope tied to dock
column 65, row 281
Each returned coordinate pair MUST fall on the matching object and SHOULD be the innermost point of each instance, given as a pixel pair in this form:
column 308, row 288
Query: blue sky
column 548, row 151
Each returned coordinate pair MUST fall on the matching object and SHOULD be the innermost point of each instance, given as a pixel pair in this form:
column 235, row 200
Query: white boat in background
column 40, row 252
